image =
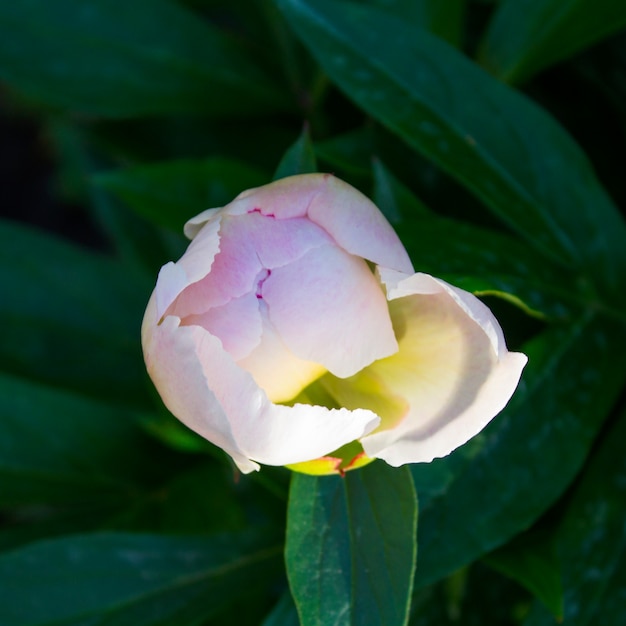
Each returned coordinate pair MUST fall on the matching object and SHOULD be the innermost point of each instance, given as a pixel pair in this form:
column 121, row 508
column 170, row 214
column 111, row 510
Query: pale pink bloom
column 274, row 293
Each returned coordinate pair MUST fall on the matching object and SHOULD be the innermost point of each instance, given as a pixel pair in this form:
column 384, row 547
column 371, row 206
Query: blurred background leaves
column 491, row 134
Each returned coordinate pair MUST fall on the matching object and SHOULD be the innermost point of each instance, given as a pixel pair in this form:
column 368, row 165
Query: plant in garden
column 491, row 137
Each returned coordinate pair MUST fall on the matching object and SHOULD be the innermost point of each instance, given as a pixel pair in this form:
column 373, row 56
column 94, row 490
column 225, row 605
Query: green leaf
column 298, row 159
column 137, row 242
column 394, row 199
column 526, row 36
column 57, row 447
column 531, row 560
column 284, row 613
column 168, row 194
column 600, row 72
column 175, row 137
column 128, row 59
column 183, row 504
column 477, row 259
column 487, row 262
column 131, row 580
column 26, row 524
column 486, row 492
column 351, row 548
column 69, row 307
column 591, row 540
column 444, row 19
column 351, row 152
column 500, row 145
column 473, row 596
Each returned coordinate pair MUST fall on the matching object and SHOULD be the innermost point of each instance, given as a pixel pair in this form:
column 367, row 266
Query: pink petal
column 285, row 198
column 349, row 217
column 452, row 368
column 357, row 225
column 194, row 265
column 237, row 324
column 248, row 243
column 275, row 242
column 233, row 272
column 203, row 386
column 329, row 308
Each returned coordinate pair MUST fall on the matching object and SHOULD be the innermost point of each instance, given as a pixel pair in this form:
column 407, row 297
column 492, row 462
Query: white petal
column 452, row 368
column 171, row 354
column 202, row 385
column 399, row 285
column 283, row 435
column 195, row 224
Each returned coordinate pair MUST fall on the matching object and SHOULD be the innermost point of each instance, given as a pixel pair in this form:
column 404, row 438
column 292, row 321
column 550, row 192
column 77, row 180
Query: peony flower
column 274, row 338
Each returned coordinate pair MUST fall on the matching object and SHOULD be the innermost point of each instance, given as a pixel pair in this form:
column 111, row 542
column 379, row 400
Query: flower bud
column 274, row 339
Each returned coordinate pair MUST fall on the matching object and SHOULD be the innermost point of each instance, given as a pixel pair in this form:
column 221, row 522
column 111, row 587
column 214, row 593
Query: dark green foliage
column 127, row 579
column 351, row 548
column 491, row 134
column 129, row 59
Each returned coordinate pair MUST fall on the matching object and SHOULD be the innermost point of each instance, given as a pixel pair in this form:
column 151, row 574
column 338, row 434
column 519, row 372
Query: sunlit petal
column 204, row 387
column 452, row 368
column 357, row 225
column 329, row 308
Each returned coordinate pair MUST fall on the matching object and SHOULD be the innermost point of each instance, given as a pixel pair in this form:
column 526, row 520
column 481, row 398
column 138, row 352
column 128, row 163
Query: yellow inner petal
column 367, row 390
